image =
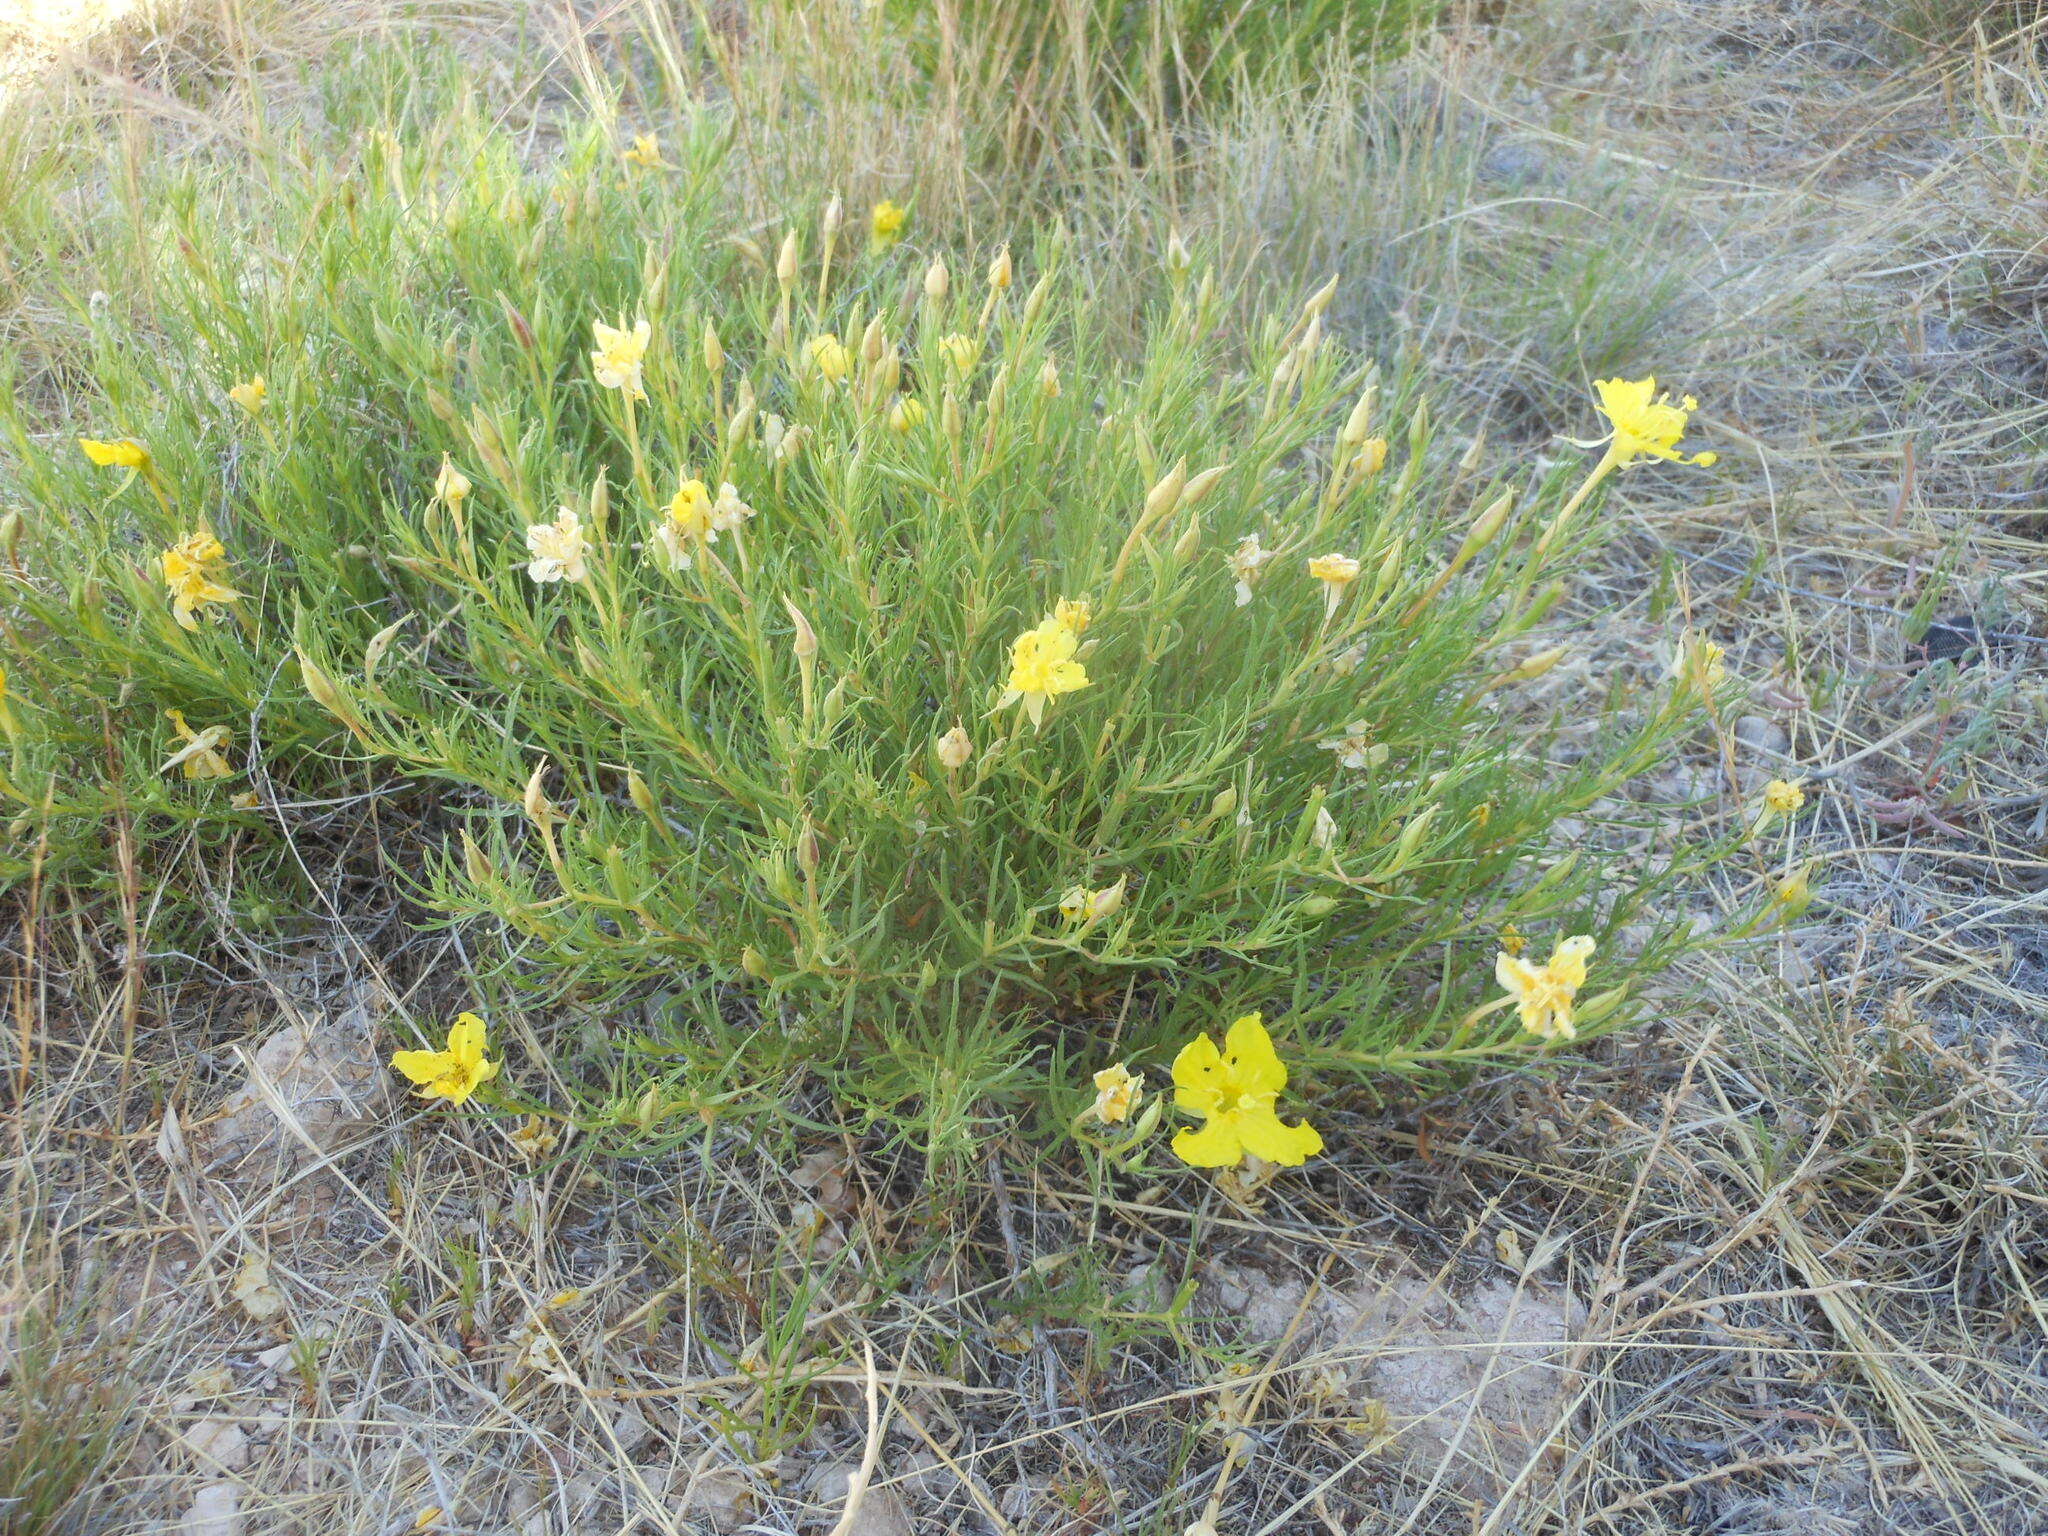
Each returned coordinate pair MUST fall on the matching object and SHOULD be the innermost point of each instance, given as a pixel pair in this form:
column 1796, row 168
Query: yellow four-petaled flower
column 620, row 353
column 1042, row 667
column 1235, row 1090
column 192, row 577
column 1544, row 994
column 1645, row 424
column 452, row 1074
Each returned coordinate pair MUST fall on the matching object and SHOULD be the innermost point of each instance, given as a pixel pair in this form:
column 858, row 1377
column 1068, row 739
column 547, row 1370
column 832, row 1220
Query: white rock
column 220, row 1444
column 216, row 1511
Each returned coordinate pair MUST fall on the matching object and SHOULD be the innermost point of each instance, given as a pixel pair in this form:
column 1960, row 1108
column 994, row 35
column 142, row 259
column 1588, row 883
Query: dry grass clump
column 1800, row 1220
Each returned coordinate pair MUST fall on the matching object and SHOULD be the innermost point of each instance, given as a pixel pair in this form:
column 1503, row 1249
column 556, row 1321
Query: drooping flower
column 1645, row 423
column 1088, row 907
column 885, row 223
column 907, row 414
column 646, row 151
column 120, row 453
column 451, row 484
column 830, row 357
column 1782, row 797
column 1544, row 993
column 616, row 362
column 729, row 512
column 558, row 549
column 1246, row 561
column 452, row 1074
column 192, row 577
column 1042, row 667
column 1076, row 613
column 962, row 351
column 1356, row 748
column 250, row 394
column 1118, row 1091
column 201, row 756
column 1235, row 1091
column 1793, row 893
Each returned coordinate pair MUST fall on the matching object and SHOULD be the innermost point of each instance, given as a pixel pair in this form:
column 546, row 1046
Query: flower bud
column 806, row 641
column 1358, row 425
column 714, row 354
column 1320, row 299
column 937, row 280
column 1202, row 485
column 835, row 215
column 785, row 261
column 753, row 964
column 1166, row 493
column 1049, row 380
column 873, row 340
column 539, row 809
column 953, row 749
column 1190, row 541
column 1537, row 665
column 999, row 270
column 1177, row 258
column 1316, row 906
column 1034, row 301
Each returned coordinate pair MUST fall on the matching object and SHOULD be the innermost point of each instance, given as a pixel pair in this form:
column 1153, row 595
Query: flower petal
column 1254, row 1066
column 466, row 1039
column 1288, row 1145
column 1215, row 1145
column 1196, row 1069
column 422, row 1067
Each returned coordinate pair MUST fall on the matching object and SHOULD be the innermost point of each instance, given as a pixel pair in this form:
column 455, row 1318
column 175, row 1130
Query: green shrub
column 725, row 785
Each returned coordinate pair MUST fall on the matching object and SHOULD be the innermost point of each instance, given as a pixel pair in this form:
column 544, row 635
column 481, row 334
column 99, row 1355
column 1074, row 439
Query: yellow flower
column 452, row 1074
column 906, row 414
column 121, row 453
column 830, row 357
column 646, row 151
column 1087, row 907
column 1783, row 797
column 250, row 394
column 1543, row 994
column 200, row 757
column 1075, row 614
column 451, row 484
column 963, row 352
column 1234, row 1089
column 558, row 549
column 1042, row 667
column 1335, row 572
column 1645, row 422
column 191, row 577
column 1512, row 941
column 1372, row 456
column 1338, row 570
column 885, row 223
column 1118, row 1091
column 1793, row 894
column 616, row 362
column 692, row 518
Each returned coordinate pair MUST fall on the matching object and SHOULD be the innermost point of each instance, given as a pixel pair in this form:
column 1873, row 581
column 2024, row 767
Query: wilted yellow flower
column 1337, row 570
column 1075, row 613
column 830, row 357
column 558, row 549
column 1512, row 941
column 452, row 1074
column 1372, row 456
column 1081, row 905
column 201, row 756
column 1783, row 796
column 1699, row 662
column 885, row 223
column 451, row 484
column 1646, row 424
column 1356, row 748
column 1793, row 894
column 1118, row 1091
column 121, row 453
column 1544, row 994
column 906, row 414
column 1042, row 667
column 954, row 749
column 1246, row 561
column 192, row 577
column 1235, row 1090
column 646, row 150
column 962, row 351
column 250, row 394
column 619, row 355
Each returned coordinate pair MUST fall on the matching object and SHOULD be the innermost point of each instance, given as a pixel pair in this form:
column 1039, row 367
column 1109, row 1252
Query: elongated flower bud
column 999, row 270
column 937, row 280
column 835, row 215
column 1320, row 299
column 714, row 354
column 643, row 798
column 785, row 261
column 1165, row 495
column 873, row 340
column 1203, row 484
column 1358, row 425
column 806, row 642
column 1538, row 664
